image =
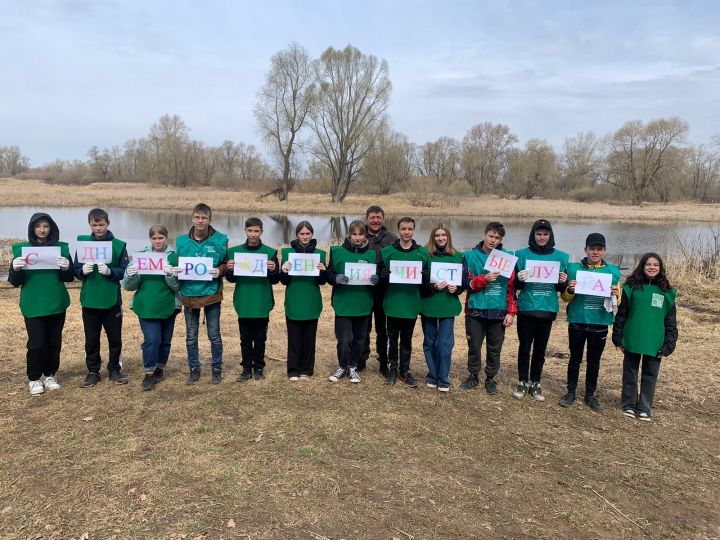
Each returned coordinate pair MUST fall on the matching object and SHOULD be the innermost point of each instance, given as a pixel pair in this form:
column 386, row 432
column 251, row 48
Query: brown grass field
column 317, row 460
column 39, row 194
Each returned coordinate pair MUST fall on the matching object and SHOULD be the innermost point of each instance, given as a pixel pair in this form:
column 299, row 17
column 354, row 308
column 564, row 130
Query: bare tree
column 440, row 159
column 581, row 162
column 389, row 163
column 283, row 105
column 12, row 161
column 485, row 151
column 639, row 153
column 101, row 163
column 169, row 138
column 353, row 91
column 533, row 170
column 704, row 171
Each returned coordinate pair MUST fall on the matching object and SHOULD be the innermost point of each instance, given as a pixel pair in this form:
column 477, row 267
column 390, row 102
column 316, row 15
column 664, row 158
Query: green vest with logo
column 214, row 246
column 644, row 331
column 442, row 304
column 586, row 308
column 352, row 300
column 303, row 301
column 99, row 291
column 253, row 297
column 154, row 299
column 540, row 296
column 403, row 301
column 43, row 292
column 494, row 295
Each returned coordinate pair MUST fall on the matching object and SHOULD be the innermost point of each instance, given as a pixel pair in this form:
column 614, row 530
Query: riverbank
column 38, row 194
column 313, row 459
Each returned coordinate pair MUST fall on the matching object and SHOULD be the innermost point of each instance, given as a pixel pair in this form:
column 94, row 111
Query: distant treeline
column 327, row 129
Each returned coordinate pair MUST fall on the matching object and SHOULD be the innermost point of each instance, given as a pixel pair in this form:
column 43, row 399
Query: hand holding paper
column 87, row 268
column 523, row 275
column 131, row 270
column 287, row 265
column 63, row 263
column 104, row 269
column 18, row 263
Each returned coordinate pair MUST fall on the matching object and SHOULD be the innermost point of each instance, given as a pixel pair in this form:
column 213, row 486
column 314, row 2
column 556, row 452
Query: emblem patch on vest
column 657, row 300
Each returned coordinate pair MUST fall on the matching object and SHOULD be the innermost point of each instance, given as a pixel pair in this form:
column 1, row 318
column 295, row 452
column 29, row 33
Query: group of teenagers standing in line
column 642, row 311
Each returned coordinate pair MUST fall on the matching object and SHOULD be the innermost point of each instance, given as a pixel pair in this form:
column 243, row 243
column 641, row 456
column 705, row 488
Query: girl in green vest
column 352, row 303
column 439, row 307
column 303, row 304
column 645, row 330
column 156, row 304
column 43, row 300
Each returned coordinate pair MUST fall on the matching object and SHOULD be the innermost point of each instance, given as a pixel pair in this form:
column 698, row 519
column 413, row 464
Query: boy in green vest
column 588, row 319
column 101, row 301
column 490, row 307
column 202, row 241
column 402, row 302
column 253, row 300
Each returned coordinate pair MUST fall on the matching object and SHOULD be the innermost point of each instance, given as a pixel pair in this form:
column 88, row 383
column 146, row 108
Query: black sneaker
column 567, row 400
column 245, row 376
column 491, row 386
column 159, row 374
column 259, row 375
column 470, row 383
column 149, row 381
column 194, row 376
column 391, row 378
column 117, row 377
column 594, row 404
column 409, row 380
column 217, row 376
column 91, row 379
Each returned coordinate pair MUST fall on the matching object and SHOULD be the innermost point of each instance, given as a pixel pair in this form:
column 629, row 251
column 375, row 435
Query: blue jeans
column 438, row 345
column 192, row 323
column 155, row 347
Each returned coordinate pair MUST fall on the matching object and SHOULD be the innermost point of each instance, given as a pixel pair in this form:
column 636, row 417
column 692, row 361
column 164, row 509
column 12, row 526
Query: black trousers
column 301, row 347
column 477, row 330
column 629, row 399
column 351, row 333
column 253, row 335
column 94, row 321
column 533, row 333
column 44, row 344
column 400, row 330
column 578, row 336
column 381, row 339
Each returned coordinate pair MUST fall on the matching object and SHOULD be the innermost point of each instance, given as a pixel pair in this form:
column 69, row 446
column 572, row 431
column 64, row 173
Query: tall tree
column 485, row 151
column 639, row 153
column 533, row 170
column 389, row 163
column 283, row 105
column 352, row 95
column 440, row 160
column 581, row 162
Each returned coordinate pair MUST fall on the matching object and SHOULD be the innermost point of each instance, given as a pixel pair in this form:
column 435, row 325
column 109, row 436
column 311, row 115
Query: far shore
column 38, row 194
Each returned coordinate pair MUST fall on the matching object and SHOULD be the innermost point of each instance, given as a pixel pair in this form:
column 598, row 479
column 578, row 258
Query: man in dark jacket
column 378, row 237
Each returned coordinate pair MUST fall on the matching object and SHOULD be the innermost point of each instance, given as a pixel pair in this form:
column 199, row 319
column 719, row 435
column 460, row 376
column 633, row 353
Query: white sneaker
column 305, row 377
column 339, row 374
column 353, row 376
column 36, row 388
column 644, row 417
column 630, row 413
column 444, row 388
column 294, row 378
column 51, row 383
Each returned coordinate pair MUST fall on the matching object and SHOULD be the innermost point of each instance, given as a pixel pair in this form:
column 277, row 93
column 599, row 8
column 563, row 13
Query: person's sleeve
column 274, row 276
column 671, row 333
column 173, row 282
column 284, row 278
column 117, row 272
column 511, row 300
column 322, row 278
column 222, row 267
column 77, row 268
column 331, row 273
column 620, row 320
column 567, row 296
column 130, row 283
column 16, row 277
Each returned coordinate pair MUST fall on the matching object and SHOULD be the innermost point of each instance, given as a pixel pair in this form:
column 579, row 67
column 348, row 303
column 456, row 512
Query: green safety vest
column 154, row 299
column 253, row 297
column 540, row 296
column 214, row 246
column 99, row 291
column 303, row 301
column 588, row 309
column 403, row 301
column 494, row 295
column 352, row 300
column 42, row 292
column 442, row 304
column 644, row 331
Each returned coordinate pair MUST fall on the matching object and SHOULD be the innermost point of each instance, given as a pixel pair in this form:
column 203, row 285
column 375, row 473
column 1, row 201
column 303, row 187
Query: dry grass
column 322, row 460
column 39, row 194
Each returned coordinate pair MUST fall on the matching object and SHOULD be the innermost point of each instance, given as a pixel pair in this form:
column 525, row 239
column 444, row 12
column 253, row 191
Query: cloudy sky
column 79, row 73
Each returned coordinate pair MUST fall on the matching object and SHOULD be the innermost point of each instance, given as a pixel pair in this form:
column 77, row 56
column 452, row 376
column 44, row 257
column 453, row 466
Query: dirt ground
column 316, row 460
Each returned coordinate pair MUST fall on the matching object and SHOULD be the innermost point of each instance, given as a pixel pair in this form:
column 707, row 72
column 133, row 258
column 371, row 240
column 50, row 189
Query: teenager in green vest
column 490, row 307
column 303, row 304
column 202, row 240
column 43, row 301
column 402, row 302
column 353, row 304
column 538, row 307
column 156, row 304
column 646, row 331
column 588, row 319
column 439, row 307
column 253, row 300
column 101, row 300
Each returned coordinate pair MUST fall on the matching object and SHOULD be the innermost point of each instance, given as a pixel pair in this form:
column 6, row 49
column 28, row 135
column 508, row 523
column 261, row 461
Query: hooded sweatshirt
column 43, row 291
column 540, row 299
column 303, row 301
